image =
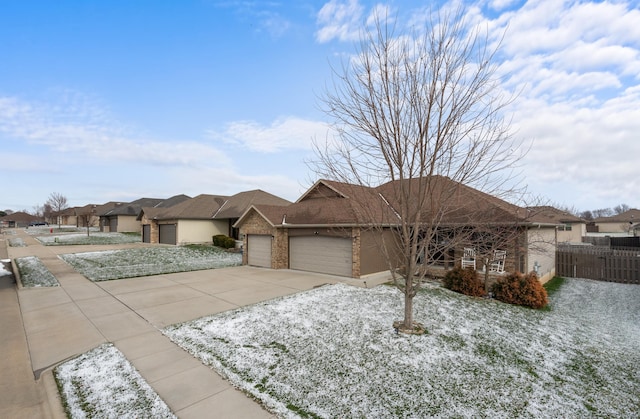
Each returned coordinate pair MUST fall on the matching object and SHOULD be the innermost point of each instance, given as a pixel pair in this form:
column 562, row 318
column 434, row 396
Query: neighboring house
column 19, row 219
column 123, row 217
column 66, row 217
column 327, row 230
column 621, row 224
column 198, row 219
column 571, row 229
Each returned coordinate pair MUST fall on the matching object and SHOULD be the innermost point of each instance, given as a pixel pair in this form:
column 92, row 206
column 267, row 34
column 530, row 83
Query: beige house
column 571, row 229
column 621, row 224
column 123, row 217
column 198, row 219
column 327, row 230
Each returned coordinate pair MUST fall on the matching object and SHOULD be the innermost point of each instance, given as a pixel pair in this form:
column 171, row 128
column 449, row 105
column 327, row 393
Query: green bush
column 223, row 241
column 524, row 290
column 465, row 281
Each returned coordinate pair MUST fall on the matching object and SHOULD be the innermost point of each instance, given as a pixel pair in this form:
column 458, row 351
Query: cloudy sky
column 117, row 100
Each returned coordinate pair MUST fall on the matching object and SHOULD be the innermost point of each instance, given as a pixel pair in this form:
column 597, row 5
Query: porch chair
column 469, row 258
column 497, row 263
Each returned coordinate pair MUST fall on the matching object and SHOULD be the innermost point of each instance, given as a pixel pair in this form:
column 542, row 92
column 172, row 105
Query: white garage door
column 259, row 250
column 329, row 255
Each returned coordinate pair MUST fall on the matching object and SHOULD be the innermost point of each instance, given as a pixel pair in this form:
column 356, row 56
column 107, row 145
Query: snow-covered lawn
column 331, row 352
column 129, row 263
column 103, row 384
column 16, row 242
column 68, row 239
column 33, row 273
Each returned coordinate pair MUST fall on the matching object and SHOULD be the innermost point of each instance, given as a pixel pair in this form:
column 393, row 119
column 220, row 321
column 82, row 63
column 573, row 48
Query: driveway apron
column 54, row 324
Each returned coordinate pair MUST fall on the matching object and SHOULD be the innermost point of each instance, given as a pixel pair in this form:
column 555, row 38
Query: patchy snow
column 3, row 271
column 332, row 352
column 93, row 239
column 33, row 273
column 102, row 383
column 16, row 242
column 128, row 263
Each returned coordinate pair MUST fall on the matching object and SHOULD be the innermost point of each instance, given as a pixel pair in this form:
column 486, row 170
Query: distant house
column 123, row 217
column 198, row 219
column 326, row 231
column 618, row 225
column 570, row 229
column 19, row 219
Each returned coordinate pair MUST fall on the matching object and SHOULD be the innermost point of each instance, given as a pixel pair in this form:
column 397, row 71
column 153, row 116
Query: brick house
column 337, row 228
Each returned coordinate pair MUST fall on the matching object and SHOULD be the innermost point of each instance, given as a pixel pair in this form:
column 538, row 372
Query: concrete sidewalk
column 65, row 321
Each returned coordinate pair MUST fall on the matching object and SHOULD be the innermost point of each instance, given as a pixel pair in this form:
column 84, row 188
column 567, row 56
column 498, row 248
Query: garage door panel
column 167, row 234
column 330, row 255
column 259, row 250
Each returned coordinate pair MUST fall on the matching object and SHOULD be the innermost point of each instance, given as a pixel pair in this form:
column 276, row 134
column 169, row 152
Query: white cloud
column 340, row 20
column 76, row 125
column 281, row 134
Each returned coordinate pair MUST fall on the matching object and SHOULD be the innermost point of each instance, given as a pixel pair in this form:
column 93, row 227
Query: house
column 337, row 228
column 620, row 225
column 123, row 217
column 571, row 228
column 198, row 219
column 19, row 219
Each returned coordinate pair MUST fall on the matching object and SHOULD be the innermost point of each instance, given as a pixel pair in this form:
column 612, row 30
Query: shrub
column 524, row 290
column 465, row 281
column 223, row 241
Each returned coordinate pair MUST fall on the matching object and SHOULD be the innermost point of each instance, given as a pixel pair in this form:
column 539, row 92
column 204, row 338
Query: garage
column 259, row 250
column 167, row 234
column 323, row 254
column 146, row 233
column 113, row 224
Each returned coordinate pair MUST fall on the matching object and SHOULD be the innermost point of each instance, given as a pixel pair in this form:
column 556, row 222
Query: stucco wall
column 574, row 235
column 128, row 223
column 542, row 252
column 372, row 258
column 199, row 231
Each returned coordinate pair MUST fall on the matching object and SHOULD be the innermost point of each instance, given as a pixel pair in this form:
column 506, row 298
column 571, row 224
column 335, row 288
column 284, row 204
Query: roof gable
column 237, row 204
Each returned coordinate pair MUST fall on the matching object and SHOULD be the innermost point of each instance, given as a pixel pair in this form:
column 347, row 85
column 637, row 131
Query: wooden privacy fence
column 601, row 263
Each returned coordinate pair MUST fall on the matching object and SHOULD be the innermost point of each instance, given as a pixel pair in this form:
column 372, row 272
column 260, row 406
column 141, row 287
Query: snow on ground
column 332, row 352
column 103, row 384
column 129, row 263
column 16, row 242
column 94, row 238
column 33, row 273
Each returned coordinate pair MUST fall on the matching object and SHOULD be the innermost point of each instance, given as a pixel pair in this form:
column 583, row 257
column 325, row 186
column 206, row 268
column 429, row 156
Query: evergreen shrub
column 465, row 281
column 223, row 241
column 524, row 290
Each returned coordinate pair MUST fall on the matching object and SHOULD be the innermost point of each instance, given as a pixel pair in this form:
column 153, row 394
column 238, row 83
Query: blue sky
column 116, row 100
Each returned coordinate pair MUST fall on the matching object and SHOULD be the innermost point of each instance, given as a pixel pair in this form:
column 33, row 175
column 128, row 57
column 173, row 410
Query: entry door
column 146, row 233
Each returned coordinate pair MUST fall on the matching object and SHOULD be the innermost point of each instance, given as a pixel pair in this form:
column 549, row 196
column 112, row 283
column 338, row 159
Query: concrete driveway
column 45, row 326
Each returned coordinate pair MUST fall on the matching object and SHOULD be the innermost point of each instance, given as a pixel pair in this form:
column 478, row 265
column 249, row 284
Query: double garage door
column 329, row 255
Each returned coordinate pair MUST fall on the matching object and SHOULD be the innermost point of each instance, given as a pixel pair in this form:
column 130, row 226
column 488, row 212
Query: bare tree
column 58, row 203
column 87, row 216
column 619, row 209
column 422, row 112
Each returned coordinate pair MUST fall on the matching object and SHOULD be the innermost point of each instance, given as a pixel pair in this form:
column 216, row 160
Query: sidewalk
column 65, row 321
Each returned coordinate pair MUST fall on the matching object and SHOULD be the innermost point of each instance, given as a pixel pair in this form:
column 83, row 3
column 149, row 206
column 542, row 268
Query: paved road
column 41, row 327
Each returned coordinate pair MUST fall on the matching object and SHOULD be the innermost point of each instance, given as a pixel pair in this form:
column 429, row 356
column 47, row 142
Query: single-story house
column 571, row 229
column 19, row 219
column 337, row 228
column 621, row 224
column 198, row 219
column 123, row 217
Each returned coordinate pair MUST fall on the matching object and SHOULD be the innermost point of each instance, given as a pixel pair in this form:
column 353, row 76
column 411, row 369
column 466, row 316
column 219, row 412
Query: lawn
column 129, row 263
column 33, row 273
column 332, row 352
column 95, row 238
column 103, row 384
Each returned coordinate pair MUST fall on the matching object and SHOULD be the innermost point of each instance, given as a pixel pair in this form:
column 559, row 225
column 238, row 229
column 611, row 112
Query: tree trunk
column 408, row 307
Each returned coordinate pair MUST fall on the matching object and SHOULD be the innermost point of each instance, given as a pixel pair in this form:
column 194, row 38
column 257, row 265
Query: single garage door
column 146, row 233
column 259, row 250
column 167, row 234
column 329, row 255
